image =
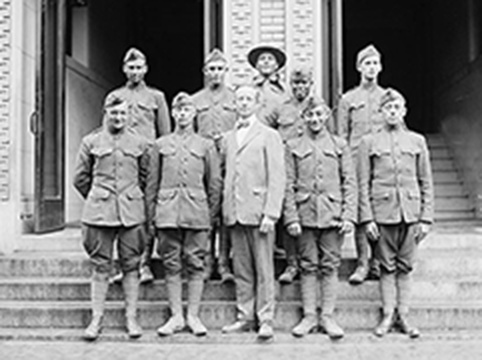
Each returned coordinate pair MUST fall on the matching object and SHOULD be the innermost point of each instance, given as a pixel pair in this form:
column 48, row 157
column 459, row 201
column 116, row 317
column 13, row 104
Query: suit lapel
column 252, row 133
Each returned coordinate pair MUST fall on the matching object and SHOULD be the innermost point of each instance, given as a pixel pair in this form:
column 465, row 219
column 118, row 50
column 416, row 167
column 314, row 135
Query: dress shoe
column 134, row 330
column 288, row 275
column 384, row 326
column 196, row 326
column 174, row 324
column 405, row 327
column 146, row 275
column 265, row 331
column 94, row 329
column 308, row 324
column 238, row 326
column 359, row 275
column 226, row 275
column 331, row 327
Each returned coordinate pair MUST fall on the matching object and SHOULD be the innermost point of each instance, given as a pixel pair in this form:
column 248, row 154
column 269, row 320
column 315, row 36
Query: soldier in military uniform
column 358, row 115
column 395, row 205
column 319, row 208
column 290, row 125
column 148, row 117
column 268, row 61
column 188, row 201
column 216, row 115
column 112, row 175
column 252, row 155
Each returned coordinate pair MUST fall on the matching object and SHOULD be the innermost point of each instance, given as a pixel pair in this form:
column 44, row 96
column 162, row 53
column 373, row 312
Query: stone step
column 453, row 204
column 459, row 262
column 449, row 190
column 451, row 215
column 111, row 337
column 351, row 315
column 65, row 289
column 442, row 165
column 446, row 177
column 440, row 153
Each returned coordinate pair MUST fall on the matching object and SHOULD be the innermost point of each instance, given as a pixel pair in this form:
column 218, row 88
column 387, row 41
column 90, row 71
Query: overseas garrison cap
column 111, row 101
column 215, row 55
column 370, row 50
column 313, row 103
column 302, row 72
column 255, row 52
column 134, row 54
column 182, row 99
column 389, row 96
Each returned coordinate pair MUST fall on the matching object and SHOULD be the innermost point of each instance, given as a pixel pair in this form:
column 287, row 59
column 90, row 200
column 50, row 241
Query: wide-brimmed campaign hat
column 255, row 52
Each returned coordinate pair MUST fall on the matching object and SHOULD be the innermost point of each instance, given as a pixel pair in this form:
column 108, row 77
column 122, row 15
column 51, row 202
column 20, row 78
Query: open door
column 48, row 121
column 332, row 62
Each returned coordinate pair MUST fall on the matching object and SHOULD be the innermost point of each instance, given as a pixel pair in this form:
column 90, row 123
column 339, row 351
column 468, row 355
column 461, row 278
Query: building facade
column 59, row 58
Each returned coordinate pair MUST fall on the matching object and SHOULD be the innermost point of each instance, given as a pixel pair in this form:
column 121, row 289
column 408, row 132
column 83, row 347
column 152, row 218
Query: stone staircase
column 452, row 202
column 44, row 289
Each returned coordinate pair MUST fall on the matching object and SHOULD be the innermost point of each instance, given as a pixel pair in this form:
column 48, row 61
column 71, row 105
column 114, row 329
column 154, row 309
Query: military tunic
column 396, row 191
column 358, row 114
column 148, row 111
column 272, row 94
column 188, row 199
column 321, row 192
column 287, row 118
column 216, row 112
column 112, row 175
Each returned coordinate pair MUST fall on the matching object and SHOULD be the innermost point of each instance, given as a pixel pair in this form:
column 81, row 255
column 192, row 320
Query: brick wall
column 5, row 54
column 290, row 25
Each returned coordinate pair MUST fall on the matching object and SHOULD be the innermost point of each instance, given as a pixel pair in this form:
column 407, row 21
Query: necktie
column 242, row 124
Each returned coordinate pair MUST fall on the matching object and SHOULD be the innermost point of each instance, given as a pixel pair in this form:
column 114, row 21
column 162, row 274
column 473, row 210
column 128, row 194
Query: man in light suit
column 254, row 183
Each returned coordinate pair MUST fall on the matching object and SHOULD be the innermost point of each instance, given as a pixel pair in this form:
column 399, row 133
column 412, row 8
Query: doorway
column 97, row 35
column 400, row 30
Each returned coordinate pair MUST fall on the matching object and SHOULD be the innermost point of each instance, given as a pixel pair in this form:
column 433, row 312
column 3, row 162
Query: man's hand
column 372, row 231
column 345, row 227
column 294, row 229
column 421, row 231
column 267, row 224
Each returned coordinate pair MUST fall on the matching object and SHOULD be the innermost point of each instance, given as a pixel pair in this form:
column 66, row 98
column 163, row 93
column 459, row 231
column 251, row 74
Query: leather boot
column 174, row 293
column 130, row 284
column 308, row 294
column 99, row 287
column 388, row 293
column 329, row 285
column 403, row 299
column 361, row 271
column 195, row 291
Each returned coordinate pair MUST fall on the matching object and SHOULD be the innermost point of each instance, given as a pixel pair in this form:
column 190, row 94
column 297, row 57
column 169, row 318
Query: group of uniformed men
column 269, row 160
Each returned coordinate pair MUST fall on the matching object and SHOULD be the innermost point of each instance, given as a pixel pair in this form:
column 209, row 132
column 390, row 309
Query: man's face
column 266, row 64
column 370, row 67
column 215, row 72
column 184, row 115
column 317, row 118
column 135, row 70
column 246, row 101
column 116, row 117
column 394, row 112
column 301, row 88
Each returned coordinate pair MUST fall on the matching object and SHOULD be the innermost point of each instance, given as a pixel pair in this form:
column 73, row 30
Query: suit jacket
column 189, row 182
column 395, row 178
column 111, row 174
column 254, row 176
column 321, row 188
